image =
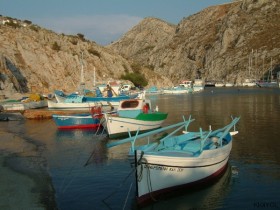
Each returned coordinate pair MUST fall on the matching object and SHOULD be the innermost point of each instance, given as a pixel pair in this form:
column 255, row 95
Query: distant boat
column 132, row 115
column 209, row 83
column 229, row 84
column 187, row 83
column 270, row 82
column 198, row 85
column 249, row 83
column 61, row 97
column 267, row 84
column 219, row 84
column 175, row 162
column 181, row 89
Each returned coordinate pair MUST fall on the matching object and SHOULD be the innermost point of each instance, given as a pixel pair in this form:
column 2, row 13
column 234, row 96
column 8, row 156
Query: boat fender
column 96, row 112
column 145, row 108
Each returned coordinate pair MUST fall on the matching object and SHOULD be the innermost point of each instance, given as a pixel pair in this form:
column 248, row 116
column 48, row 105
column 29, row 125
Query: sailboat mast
column 82, row 71
column 94, row 81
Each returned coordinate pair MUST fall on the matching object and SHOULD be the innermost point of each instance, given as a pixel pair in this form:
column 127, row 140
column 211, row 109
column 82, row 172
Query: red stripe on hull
column 79, row 126
column 150, row 198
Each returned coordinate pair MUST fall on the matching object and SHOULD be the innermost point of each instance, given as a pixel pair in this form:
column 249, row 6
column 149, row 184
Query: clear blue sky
column 101, row 21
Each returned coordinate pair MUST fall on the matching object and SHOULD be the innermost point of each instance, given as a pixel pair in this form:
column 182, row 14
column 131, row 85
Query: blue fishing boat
column 77, row 121
column 174, row 162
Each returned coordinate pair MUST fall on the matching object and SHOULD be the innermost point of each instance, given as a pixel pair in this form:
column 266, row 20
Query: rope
column 127, row 196
column 140, row 176
column 114, row 192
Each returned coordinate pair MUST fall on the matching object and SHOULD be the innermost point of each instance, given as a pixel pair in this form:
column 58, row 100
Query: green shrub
column 94, row 52
column 55, row 46
column 137, row 79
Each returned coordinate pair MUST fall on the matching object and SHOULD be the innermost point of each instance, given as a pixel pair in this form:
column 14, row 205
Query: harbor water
column 42, row 167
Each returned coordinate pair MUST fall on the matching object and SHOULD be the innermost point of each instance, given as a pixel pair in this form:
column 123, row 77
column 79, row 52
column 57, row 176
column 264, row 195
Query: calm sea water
column 86, row 175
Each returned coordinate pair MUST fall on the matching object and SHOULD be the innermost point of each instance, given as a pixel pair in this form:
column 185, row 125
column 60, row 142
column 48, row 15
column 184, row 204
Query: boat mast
column 82, row 83
column 94, row 81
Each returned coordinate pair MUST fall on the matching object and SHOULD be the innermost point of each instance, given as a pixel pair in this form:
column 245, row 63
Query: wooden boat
column 132, row 115
column 175, row 162
column 90, row 120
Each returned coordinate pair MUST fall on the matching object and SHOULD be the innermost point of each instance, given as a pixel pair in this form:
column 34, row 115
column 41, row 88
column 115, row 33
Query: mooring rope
column 115, row 191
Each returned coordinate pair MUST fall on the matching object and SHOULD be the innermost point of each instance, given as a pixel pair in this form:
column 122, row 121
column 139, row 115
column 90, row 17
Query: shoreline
column 24, row 179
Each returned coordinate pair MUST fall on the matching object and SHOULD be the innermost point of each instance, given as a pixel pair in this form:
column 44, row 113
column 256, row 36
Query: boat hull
column 182, row 171
column 267, row 84
column 175, row 91
column 79, row 106
column 120, row 126
column 76, row 121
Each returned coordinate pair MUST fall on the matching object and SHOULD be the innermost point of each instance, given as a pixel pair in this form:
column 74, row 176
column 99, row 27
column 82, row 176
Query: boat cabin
column 133, row 107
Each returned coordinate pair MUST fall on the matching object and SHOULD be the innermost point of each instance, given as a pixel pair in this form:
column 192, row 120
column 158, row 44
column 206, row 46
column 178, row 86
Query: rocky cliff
column 224, row 42
column 216, row 43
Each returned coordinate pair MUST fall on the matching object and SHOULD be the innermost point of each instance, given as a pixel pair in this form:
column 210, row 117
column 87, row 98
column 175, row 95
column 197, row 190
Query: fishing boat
column 175, row 162
column 132, row 115
column 180, row 89
column 91, row 97
column 79, row 121
column 198, row 85
column 219, row 84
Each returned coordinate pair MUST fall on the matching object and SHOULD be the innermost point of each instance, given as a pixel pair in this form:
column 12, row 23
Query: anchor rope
column 141, row 162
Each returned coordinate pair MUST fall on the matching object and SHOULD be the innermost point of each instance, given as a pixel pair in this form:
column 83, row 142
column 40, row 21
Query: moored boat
column 78, row 121
column 175, row 162
column 132, row 115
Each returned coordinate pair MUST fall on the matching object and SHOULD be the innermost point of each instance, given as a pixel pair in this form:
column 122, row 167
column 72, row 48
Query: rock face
column 34, row 59
column 217, row 43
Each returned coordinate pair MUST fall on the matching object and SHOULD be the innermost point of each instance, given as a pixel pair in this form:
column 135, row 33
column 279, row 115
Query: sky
column 102, row 21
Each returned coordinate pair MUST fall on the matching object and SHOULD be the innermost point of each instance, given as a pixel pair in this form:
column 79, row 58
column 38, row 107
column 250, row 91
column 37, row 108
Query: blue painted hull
column 76, row 121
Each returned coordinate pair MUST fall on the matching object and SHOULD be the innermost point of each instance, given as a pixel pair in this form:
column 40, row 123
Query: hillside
column 216, row 42
column 34, row 59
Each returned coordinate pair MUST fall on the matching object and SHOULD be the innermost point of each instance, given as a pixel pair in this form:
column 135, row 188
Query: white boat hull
column 165, row 172
column 117, row 126
column 175, row 91
column 78, row 106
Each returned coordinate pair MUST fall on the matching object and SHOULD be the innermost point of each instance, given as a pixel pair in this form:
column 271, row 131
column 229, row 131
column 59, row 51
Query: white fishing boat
column 180, row 89
column 80, row 106
column 132, row 115
column 176, row 162
column 219, row 84
column 198, row 85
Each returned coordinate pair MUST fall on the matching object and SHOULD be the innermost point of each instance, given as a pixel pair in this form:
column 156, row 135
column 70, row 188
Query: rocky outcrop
column 217, row 43
column 34, row 59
